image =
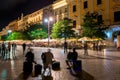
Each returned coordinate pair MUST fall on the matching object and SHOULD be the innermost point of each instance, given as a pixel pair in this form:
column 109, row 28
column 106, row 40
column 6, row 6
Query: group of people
column 46, row 57
column 85, row 47
column 7, row 49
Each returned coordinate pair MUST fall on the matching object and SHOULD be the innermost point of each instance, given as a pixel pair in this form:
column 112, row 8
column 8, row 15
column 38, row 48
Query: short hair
column 74, row 49
column 31, row 49
column 49, row 50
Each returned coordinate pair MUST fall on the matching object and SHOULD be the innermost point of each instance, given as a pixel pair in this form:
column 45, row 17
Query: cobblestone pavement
column 101, row 65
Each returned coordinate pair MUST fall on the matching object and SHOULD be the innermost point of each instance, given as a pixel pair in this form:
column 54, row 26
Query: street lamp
column 48, row 25
column 9, row 31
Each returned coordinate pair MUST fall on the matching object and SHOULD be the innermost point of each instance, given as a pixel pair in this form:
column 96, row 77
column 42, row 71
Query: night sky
column 12, row 9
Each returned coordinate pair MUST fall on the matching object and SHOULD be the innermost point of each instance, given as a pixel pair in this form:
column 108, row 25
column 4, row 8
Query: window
column 99, row 2
column 74, row 8
column 60, row 12
column 65, row 9
column 74, row 23
column 116, row 16
column 55, row 13
column 100, row 18
column 85, row 4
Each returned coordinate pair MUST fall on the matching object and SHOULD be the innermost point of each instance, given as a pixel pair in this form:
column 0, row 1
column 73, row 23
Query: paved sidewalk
column 102, row 65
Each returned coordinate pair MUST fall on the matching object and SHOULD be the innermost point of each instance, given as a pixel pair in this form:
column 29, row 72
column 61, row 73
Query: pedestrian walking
column 85, row 49
column 14, row 46
column 65, row 46
column 24, row 48
column 0, row 50
column 9, row 50
column 3, row 50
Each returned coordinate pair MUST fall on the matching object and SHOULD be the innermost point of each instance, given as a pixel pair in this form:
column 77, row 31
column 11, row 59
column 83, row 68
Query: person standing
column 30, row 56
column 28, row 64
column 14, row 46
column 85, row 49
column 48, row 56
column 3, row 50
column 65, row 47
column 0, row 50
column 24, row 48
column 9, row 50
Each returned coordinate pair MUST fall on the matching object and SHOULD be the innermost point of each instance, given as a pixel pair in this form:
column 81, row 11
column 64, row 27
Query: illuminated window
column 55, row 13
column 65, row 9
column 60, row 12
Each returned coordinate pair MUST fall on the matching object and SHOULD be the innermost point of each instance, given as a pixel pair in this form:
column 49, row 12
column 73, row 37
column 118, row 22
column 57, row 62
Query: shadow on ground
column 82, row 75
column 47, row 78
column 22, row 76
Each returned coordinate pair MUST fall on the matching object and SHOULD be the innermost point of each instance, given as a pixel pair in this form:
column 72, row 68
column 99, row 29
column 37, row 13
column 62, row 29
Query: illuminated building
column 47, row 13
column 109, row 12
column 75, row 14
column 60, row 8
column 11, row 26
column 33, row 18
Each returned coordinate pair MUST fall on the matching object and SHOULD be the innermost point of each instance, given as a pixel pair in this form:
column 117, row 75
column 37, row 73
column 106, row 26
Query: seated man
column 71, row 57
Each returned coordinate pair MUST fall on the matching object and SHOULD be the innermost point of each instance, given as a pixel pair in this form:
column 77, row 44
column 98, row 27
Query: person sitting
column 71, row 57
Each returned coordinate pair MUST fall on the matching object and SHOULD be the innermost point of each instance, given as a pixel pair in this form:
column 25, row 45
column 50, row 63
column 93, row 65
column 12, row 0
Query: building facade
column 24, row 21
column 60, row 8
column 109, row 12
column 47, row 14
column 33, row 18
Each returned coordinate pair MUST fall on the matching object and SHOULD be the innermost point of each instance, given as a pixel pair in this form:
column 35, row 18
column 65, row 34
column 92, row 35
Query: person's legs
column 68, row 62
column 49, row 69
column 23, row 51
column 45, row 67
column 64, row 49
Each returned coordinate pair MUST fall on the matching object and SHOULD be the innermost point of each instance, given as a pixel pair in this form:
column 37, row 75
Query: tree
column 17, row 35
column 62, row 29
column 4, row 37
column 92, row 26
column 36, row 31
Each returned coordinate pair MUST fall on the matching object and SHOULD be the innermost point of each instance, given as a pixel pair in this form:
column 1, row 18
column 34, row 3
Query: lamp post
column 48, row 26
column 9, row 31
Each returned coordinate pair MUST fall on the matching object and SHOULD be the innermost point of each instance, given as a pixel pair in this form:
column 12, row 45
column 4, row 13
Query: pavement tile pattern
column 98, row 65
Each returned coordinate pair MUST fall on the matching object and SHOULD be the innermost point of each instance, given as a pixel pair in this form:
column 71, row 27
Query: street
column 101, row 65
